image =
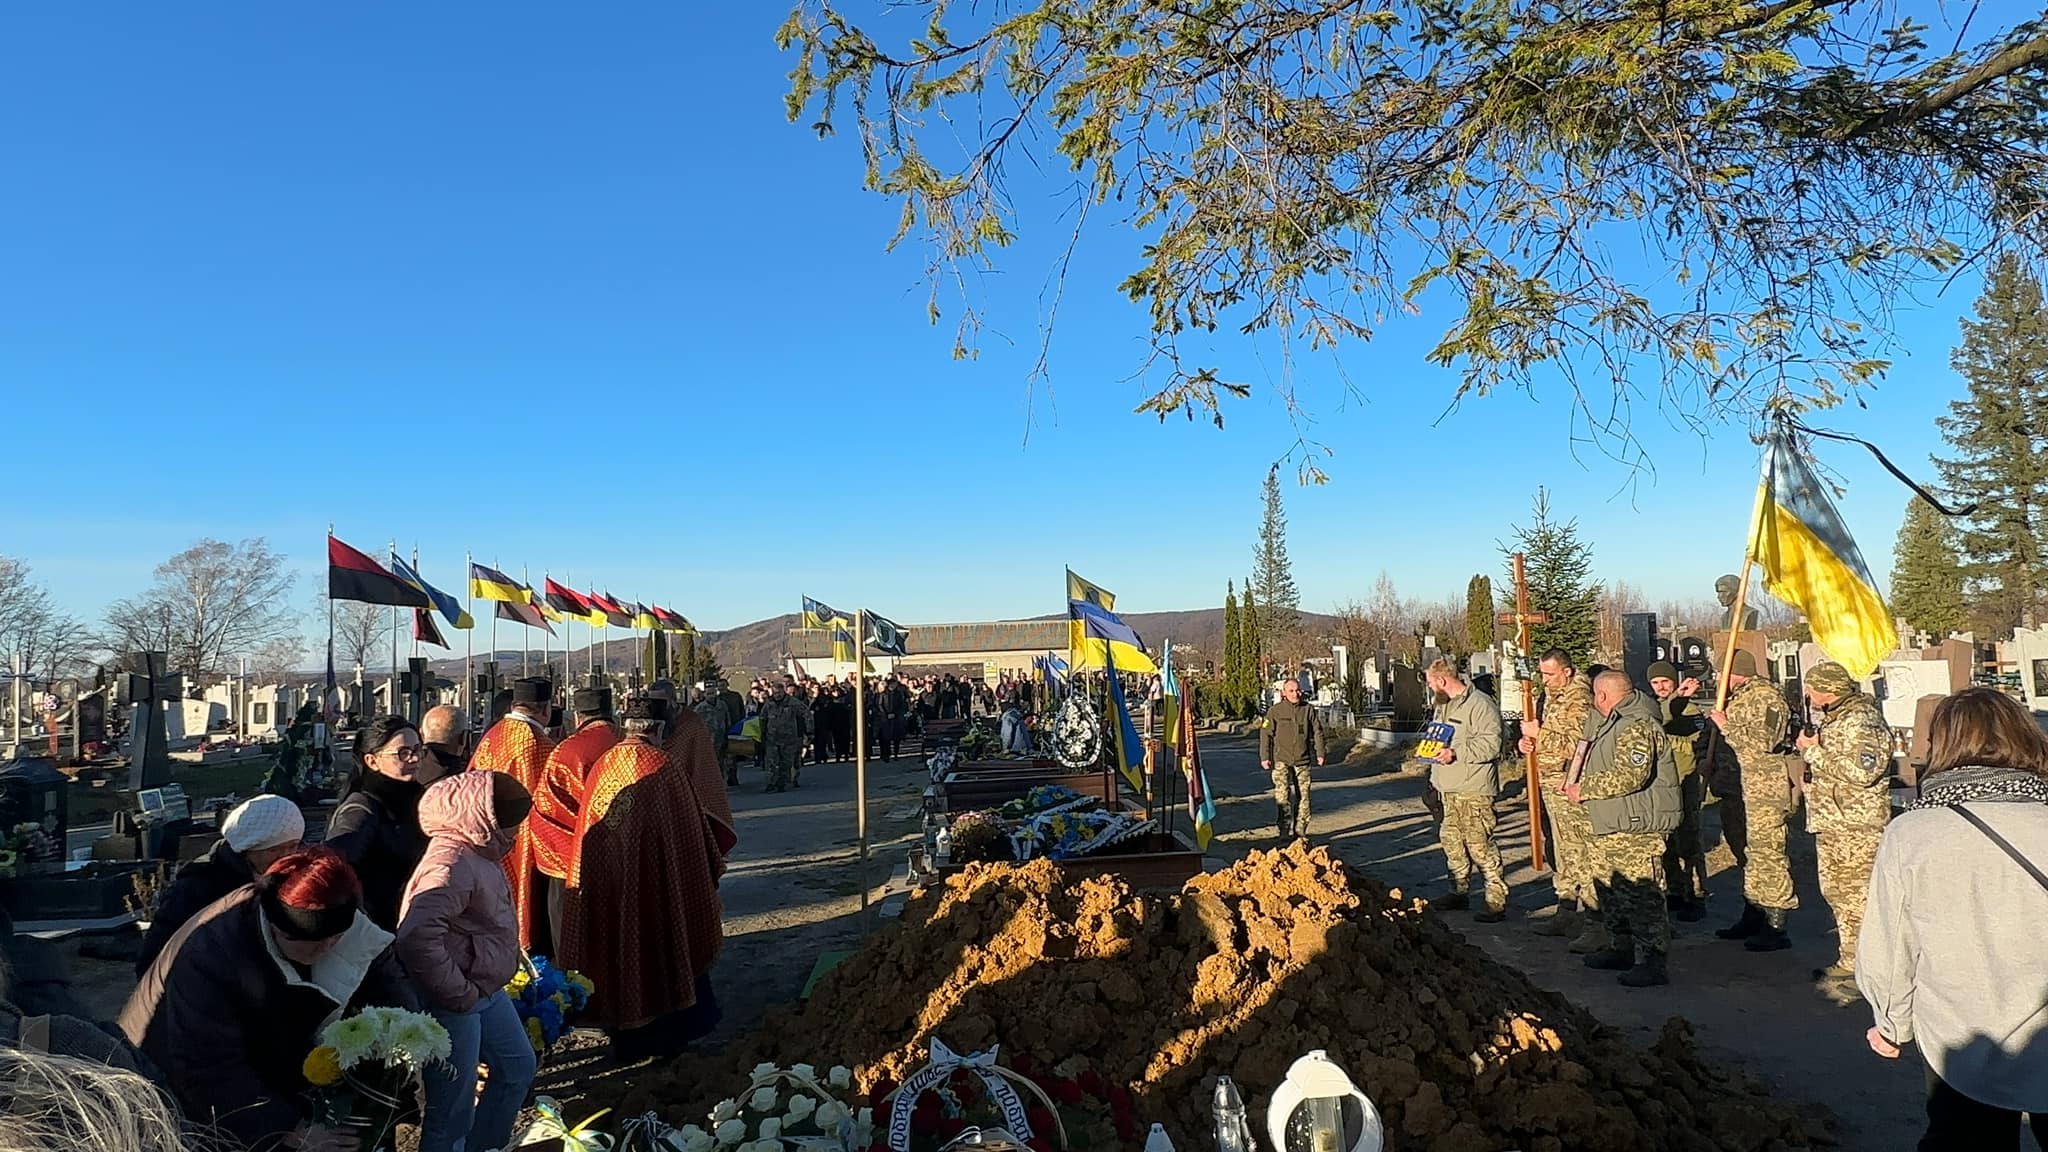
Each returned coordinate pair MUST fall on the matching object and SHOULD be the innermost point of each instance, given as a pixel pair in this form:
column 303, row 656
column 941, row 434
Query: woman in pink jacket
column 459, row 939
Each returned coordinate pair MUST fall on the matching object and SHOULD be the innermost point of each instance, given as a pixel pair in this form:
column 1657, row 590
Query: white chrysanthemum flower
column 801, row 1106
column 829, row 1116
column 806, row 1071
column 702, row 1141
column 763, row 1099
column 864, row 1128
column 726, row 1110
column 730, row 1131
column 771, row 1128
column 840, row 1076
column 354, row 1040
column 418, row 1041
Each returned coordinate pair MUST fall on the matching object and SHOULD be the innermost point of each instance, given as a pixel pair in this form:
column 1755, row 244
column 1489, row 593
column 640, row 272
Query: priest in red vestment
column 641, row 916
column 518, row 745
column 709, row 779
column 557, row 807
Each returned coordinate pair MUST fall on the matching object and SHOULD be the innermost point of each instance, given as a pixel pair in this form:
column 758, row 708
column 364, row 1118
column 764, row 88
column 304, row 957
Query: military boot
column 1751, row 923
column 1649, row 970
column 1594, row 937
column 1618, row 956
column 1455, row 901
column 1564, row 922
column 1770, row 937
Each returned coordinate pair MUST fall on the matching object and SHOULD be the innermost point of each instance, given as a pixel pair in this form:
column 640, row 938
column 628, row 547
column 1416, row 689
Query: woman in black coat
column 376, row 827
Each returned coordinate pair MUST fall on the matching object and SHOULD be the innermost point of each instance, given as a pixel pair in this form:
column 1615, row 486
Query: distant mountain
column 758, row 647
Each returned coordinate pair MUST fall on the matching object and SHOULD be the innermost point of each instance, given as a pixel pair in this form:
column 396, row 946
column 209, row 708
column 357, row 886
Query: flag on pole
column 842, row 645
column 671, row 621
column 1128, row 749
column 1094, row 630
column 643, row 617
column 819, row 615
column 615, row 613
column 490, row 584
column 1201, row 804
column 353, row 576
column 1169, row 697
column 1810, row 561
column 570, row 604
column 1093, row 593
column 524, row 612
column 448, row 606
column 424, row 629
column 886, row 635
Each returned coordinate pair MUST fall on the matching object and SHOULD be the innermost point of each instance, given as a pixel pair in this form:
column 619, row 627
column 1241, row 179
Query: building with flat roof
column 1000, row 646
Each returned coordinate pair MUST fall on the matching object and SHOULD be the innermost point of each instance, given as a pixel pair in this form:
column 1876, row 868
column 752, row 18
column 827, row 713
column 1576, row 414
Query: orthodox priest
column 685, row 727
column 518, row 745
column 557, row 805
column 641, row 916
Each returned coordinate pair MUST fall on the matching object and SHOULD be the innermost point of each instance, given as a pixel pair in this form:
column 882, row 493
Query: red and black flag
column 354, row 576
column 424, row 629
column 671, row 621
column 525, row 614
column 573, row 605
column 615, row 613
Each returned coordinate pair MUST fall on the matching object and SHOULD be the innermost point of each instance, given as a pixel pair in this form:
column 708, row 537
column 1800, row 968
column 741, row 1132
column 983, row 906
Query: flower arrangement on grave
column 782, row 1110
column 1043, row 798
column 548, row 999
column 365, row 1067
column 1067, row 1107
column 980, row 837
column 27, row 843
column 978, row 743
column 1060, row 835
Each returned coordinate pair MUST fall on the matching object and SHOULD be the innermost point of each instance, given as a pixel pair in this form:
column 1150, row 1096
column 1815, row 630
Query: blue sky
column 570, row 293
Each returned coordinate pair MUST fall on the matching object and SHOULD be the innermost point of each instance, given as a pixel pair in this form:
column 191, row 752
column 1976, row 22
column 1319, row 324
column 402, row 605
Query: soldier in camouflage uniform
column 1848, row 803
column 1756, row 810
column 785, row 724
column 1685, row 854
column 1630, row 792
column 713, row 710
column 1567, row 705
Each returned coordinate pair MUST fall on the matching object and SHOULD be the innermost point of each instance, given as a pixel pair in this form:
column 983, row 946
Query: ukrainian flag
column 447, row 605
column 1169, row 692
column 1126, row 748
column 1092, row 632
column 491, row 584
column 817, row 614
column 1093, row 593
column 1810, row 561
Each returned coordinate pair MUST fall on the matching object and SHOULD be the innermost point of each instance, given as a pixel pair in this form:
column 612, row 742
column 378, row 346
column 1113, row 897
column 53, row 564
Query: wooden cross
column 1521, row 618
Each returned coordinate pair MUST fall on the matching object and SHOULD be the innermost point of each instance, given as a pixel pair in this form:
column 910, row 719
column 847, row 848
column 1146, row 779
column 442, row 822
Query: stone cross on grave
column 1521, row 618
column 147, row 687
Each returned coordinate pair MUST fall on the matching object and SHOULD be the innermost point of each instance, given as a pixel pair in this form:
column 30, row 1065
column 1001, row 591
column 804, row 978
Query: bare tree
column 360, row 631
column 47, row 642
column 210, row 603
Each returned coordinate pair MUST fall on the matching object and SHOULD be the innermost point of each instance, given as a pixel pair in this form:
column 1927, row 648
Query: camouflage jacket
column 712, row 710
column 1682, row 728
column 1756, row 723
column 1566, row 716
column 784, row 718
column 1852, row 768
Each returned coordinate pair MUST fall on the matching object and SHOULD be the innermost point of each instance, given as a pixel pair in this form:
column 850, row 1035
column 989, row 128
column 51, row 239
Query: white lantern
column 1318, row 1109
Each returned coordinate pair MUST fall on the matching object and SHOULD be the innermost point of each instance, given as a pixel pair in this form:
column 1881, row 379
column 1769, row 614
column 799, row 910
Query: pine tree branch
column 2009, row 60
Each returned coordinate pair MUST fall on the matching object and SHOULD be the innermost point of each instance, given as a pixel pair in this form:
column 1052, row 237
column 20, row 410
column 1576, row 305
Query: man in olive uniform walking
column 1629, row 788
column 718, row 718
column 1754, row 812
column 1685, row 854
column 1467, row 775
column 1288, row 736
column 785, row 720
column 1567, row 704
column 1848, row 803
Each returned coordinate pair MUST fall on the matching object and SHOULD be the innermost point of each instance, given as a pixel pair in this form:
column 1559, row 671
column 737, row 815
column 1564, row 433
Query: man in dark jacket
column 1288, row 735
column 255, row 835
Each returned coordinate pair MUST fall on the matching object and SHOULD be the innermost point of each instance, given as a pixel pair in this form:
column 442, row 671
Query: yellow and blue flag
column 490, row 584
column 1093, row 593
column 1093, row 631
column 1810, row 561
column 817, row 614
column 1126, row 748
column 1169, row 692
column 1201, row 804
column 447, row 605
column 842, row 646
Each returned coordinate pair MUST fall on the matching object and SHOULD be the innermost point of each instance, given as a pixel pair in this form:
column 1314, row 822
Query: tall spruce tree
column 1273, row 574
column 1559, row 570
column 1233, row 652
column 1479, row 612
column 1249, row 618
column 1997, row 433
column 1927, row 572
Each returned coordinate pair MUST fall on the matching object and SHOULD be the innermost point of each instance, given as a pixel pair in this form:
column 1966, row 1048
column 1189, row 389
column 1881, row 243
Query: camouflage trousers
column 1290, row 796
column 1764, row 812
column 1846, row 857
column 1571, row 847
column 780, row 758
column 1629, row 871
column 1685, row 853
column 1467, row 837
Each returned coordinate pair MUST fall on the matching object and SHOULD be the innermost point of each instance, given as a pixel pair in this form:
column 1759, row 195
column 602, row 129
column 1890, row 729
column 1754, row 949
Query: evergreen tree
column 1479, row 620
column 1233, row 652
column 1927, row 572
column 1997, row 433
column 704, row 664
column 1254, row 645
column 1273, row 573
column 1559, row 570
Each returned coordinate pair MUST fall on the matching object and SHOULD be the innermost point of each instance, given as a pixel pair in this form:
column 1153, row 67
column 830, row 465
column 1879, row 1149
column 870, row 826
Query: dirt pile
column 1245, row 971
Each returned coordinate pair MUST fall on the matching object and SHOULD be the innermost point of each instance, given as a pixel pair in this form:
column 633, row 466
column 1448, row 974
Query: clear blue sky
column 565, row 289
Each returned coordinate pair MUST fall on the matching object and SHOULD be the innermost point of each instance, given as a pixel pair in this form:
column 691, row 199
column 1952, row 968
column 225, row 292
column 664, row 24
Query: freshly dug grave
column 1243, row 972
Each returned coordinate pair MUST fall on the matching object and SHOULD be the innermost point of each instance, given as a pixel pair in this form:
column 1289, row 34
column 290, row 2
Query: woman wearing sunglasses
column 376, row 827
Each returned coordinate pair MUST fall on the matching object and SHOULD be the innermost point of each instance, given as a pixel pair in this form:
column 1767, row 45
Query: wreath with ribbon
column 997, row 1081
column 1077, row 733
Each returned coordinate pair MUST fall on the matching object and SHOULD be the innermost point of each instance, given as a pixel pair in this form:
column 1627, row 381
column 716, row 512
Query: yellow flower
column 322, row 1067
column 520, row 980
column 582, row 981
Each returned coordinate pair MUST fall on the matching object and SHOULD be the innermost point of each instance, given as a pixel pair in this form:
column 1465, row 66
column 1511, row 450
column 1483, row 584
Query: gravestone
column 146, row 687
column 1411, row 697
column 1906, row 682
column 1638, row 646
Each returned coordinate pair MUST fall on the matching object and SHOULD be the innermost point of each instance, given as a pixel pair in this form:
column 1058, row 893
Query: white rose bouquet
column 782, row 1110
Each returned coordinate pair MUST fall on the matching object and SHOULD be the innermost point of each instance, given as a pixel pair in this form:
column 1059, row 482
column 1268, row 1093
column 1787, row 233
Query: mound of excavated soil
column 1243, row 972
